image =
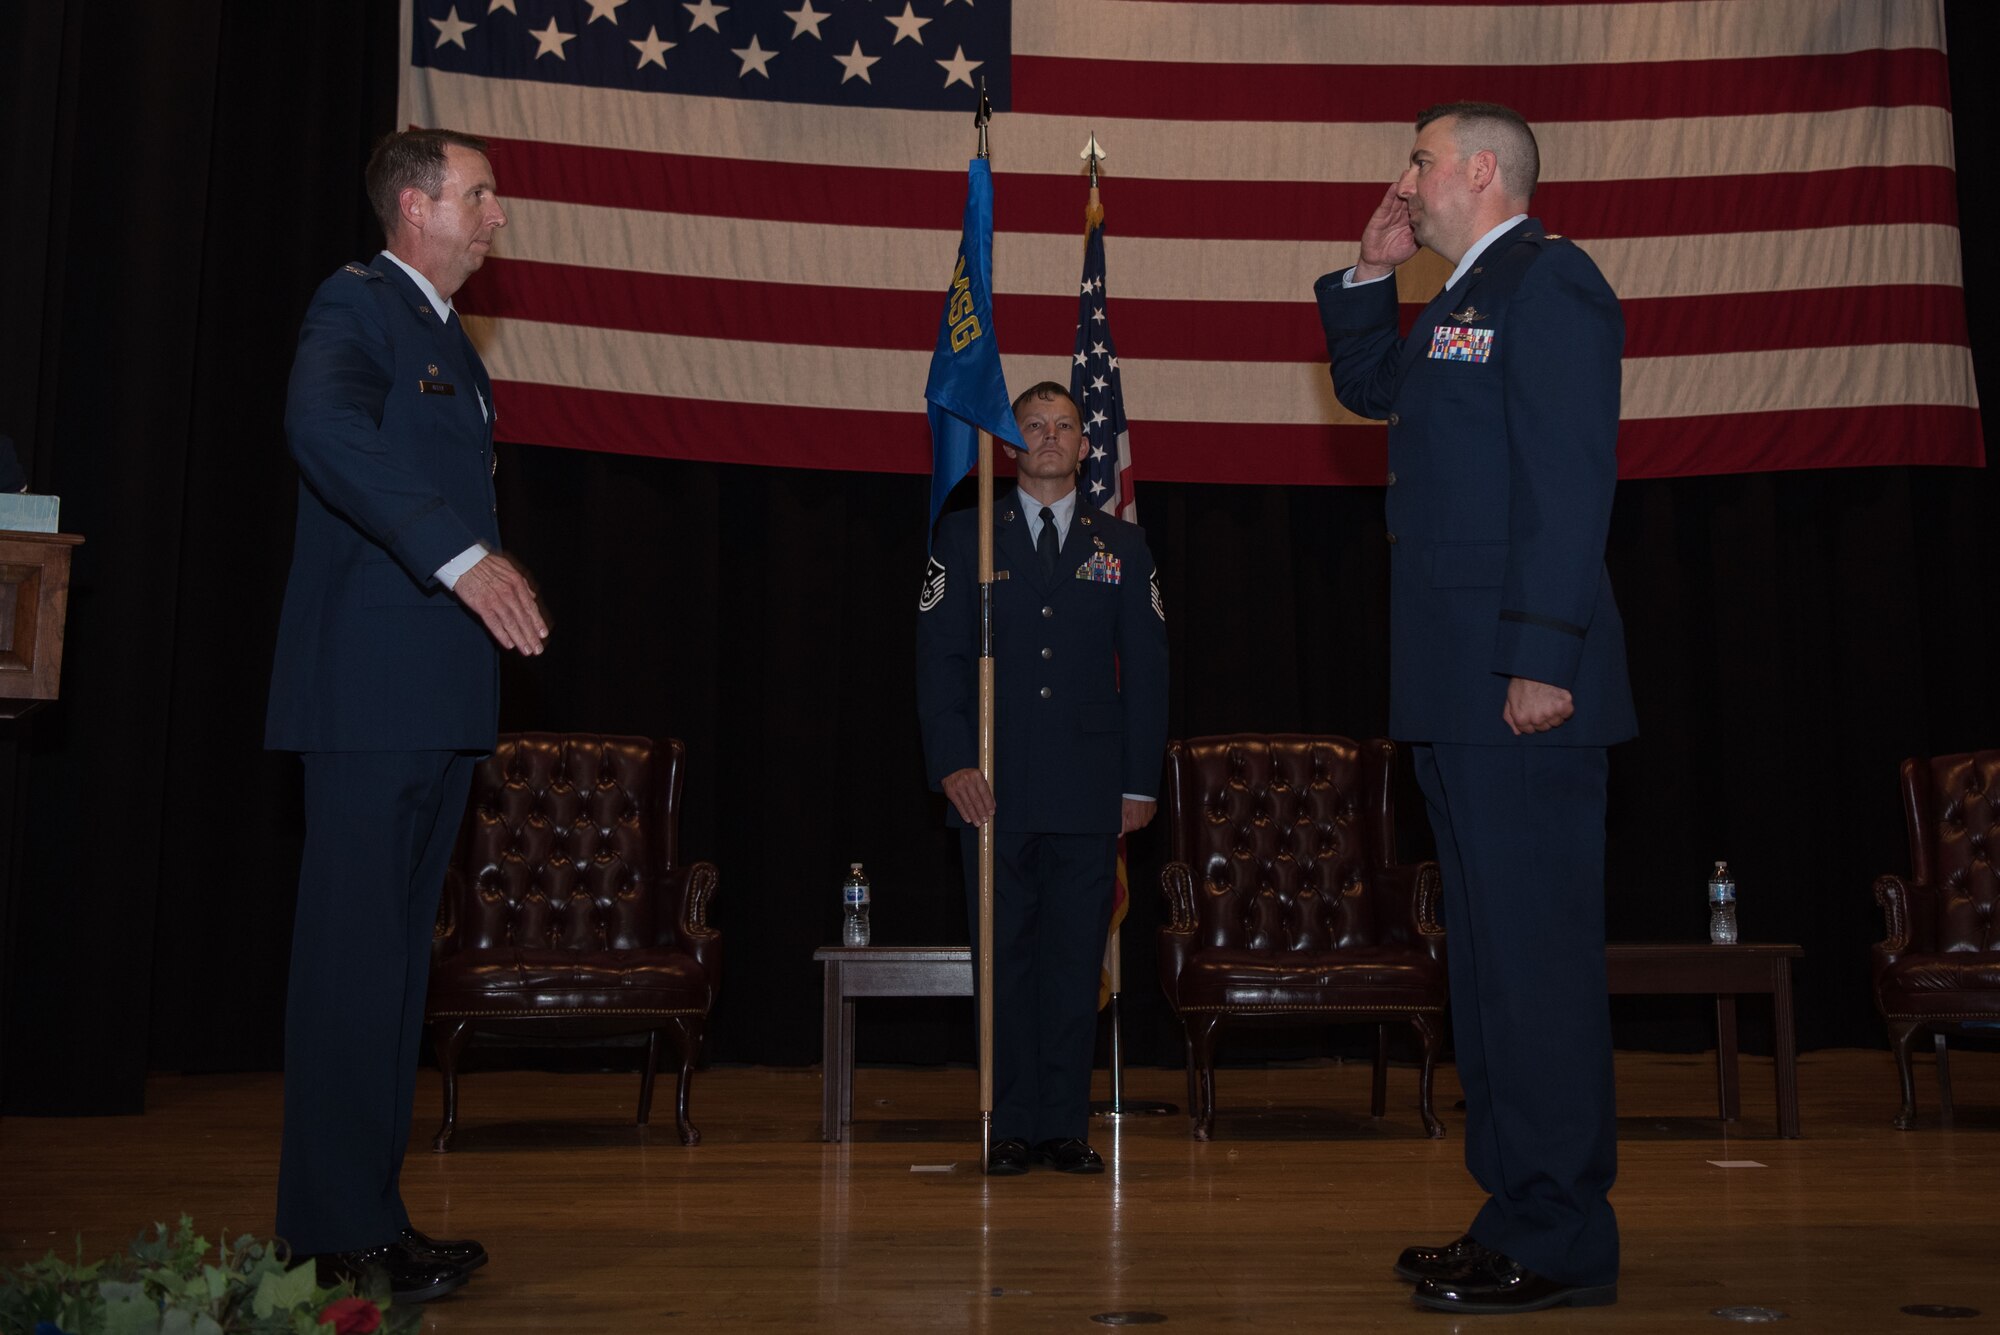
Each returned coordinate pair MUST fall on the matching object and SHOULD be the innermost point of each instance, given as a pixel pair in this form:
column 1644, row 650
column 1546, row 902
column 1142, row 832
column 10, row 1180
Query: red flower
column 351, row 1316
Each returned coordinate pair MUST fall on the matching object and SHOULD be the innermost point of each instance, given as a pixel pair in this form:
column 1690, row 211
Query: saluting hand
column 502, row 595
column 1388, row 239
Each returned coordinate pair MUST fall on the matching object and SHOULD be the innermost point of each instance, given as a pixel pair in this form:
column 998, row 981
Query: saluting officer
column 1080, row 715
column 1507, row 669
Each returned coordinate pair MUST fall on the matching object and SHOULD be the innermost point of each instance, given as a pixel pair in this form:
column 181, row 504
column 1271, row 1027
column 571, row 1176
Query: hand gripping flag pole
column 968, row 406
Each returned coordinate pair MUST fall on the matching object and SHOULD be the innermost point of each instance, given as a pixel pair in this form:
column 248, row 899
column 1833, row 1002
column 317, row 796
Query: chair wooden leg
column 1201, row 1073
column 1430, row 1032
column 449, row 1038
column 1944, row 1079
column 1378, row 1102
column 688, row 1030
column 646, row 1080
column 1901, row 1034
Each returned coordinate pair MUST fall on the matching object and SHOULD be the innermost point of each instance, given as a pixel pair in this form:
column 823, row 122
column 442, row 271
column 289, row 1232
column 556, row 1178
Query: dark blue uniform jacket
column 1080, row 701
column 1502, row 404
column 395, row 479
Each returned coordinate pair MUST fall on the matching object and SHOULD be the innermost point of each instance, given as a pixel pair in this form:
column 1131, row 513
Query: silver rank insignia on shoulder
column 933, row 591
column 1469, row 314
column 358, row 270
column 1153, row 587
column 1552, row 236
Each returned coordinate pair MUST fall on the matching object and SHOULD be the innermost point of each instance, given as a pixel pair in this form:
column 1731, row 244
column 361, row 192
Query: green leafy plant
column 165, row 1285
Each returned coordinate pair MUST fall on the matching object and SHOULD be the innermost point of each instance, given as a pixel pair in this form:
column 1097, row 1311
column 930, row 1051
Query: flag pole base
column 985, row 1141
column 1118, row 1105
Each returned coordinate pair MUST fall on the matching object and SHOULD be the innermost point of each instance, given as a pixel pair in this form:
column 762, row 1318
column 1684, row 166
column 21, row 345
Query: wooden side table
column 874, row 971
column 1727, row 972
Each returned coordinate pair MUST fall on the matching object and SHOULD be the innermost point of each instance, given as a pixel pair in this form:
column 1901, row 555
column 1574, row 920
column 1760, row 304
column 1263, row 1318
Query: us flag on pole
column 729, row 216
column 1106, row 481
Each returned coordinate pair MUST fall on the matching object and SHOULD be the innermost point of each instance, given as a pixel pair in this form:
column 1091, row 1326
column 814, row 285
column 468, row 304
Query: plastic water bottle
column 854, row 900
column 1722, row 906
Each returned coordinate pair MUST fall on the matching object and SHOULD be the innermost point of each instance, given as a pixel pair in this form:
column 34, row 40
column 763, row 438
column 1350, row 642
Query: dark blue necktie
column 1046, row 545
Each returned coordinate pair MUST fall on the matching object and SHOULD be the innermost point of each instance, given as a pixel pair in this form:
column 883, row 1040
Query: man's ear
column 410, row 202
column 1483, row 169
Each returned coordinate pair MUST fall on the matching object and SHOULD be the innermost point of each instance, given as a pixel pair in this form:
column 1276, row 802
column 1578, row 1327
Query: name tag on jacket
column 1461, row 343
column 1101, row 568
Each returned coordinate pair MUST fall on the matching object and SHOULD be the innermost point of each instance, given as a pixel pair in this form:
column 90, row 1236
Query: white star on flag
column 855, row 65
column 1099, row 317
column 704, row 15
column 1080, row 359
column 451, row 28
column 1098, row 418
column 508, row 5
column 604, row 9
column 551, row 39
column 958, row 69
column 1096, row 488
column 1098, row 383
column 1097, row 349
column 653, row 51
column 907, row 24
column 806, row 17
column 1097, row 451
column 754, row 57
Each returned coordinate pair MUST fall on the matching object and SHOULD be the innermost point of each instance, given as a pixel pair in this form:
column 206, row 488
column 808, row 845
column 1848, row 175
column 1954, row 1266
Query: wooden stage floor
column 1287, row 1221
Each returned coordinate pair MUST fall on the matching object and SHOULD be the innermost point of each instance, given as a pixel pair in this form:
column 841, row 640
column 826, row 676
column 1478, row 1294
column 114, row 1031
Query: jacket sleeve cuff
column 1538, row 649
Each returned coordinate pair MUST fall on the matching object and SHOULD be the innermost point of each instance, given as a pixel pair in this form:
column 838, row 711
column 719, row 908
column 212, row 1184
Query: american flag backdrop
column 729, row 220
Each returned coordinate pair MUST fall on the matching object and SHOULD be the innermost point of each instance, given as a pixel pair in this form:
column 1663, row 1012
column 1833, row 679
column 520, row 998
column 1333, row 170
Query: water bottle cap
column 1722, row 869
column 855, row 866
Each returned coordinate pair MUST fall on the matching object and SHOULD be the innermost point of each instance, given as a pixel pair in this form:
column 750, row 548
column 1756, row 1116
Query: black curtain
column 180, row 181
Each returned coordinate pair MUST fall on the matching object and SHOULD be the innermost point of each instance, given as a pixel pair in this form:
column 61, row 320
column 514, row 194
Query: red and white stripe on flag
column 1769, row 186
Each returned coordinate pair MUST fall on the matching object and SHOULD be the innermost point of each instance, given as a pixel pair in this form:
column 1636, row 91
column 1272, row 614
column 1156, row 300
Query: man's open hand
column 503, row 597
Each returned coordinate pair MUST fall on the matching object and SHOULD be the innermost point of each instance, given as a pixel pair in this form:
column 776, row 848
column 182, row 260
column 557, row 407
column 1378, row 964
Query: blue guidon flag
column 967, row 391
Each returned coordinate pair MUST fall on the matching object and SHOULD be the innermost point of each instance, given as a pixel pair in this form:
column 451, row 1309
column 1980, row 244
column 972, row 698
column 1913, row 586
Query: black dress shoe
column 1007, row 1158
column 413, row 1278
column 464, row 1253
column 1495, row 1283
column 1438, row 1262
column 1069, row 1156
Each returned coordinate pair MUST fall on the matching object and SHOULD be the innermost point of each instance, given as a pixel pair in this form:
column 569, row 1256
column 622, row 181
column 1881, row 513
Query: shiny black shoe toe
column 1007, row 1158
column 412, row 1278
column 1438, row 1262
column 464, row 1253
column 1069, row 1156
column 1492, row 1283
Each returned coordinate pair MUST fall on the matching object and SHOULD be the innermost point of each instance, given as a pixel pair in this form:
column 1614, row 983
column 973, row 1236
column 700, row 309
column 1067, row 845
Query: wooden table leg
column 846, row 1066
column 830, row 1057
column 1784, row 1049
column 1728, row 1092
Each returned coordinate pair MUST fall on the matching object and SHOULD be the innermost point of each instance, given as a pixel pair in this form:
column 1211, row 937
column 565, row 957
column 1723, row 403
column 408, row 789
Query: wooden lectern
column 34, row 598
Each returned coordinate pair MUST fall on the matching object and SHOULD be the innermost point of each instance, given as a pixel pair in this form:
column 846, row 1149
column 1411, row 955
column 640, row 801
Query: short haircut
column 410, row 158
column 1047, row 389
column 1488, row 127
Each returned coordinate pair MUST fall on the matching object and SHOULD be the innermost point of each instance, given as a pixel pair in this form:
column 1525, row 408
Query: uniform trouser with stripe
column 1520, row 835
column 1051, row 911
column 379, row 832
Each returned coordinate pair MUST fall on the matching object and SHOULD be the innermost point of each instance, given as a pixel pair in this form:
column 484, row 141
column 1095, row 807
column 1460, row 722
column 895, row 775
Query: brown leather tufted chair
column 1283, row 904
column 567, row 910
column 1938, row 964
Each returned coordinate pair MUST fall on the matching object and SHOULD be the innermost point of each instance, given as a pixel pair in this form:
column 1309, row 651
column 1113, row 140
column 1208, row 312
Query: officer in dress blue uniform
column 1080, row 715
column 1507, row 670
column 386, row 681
